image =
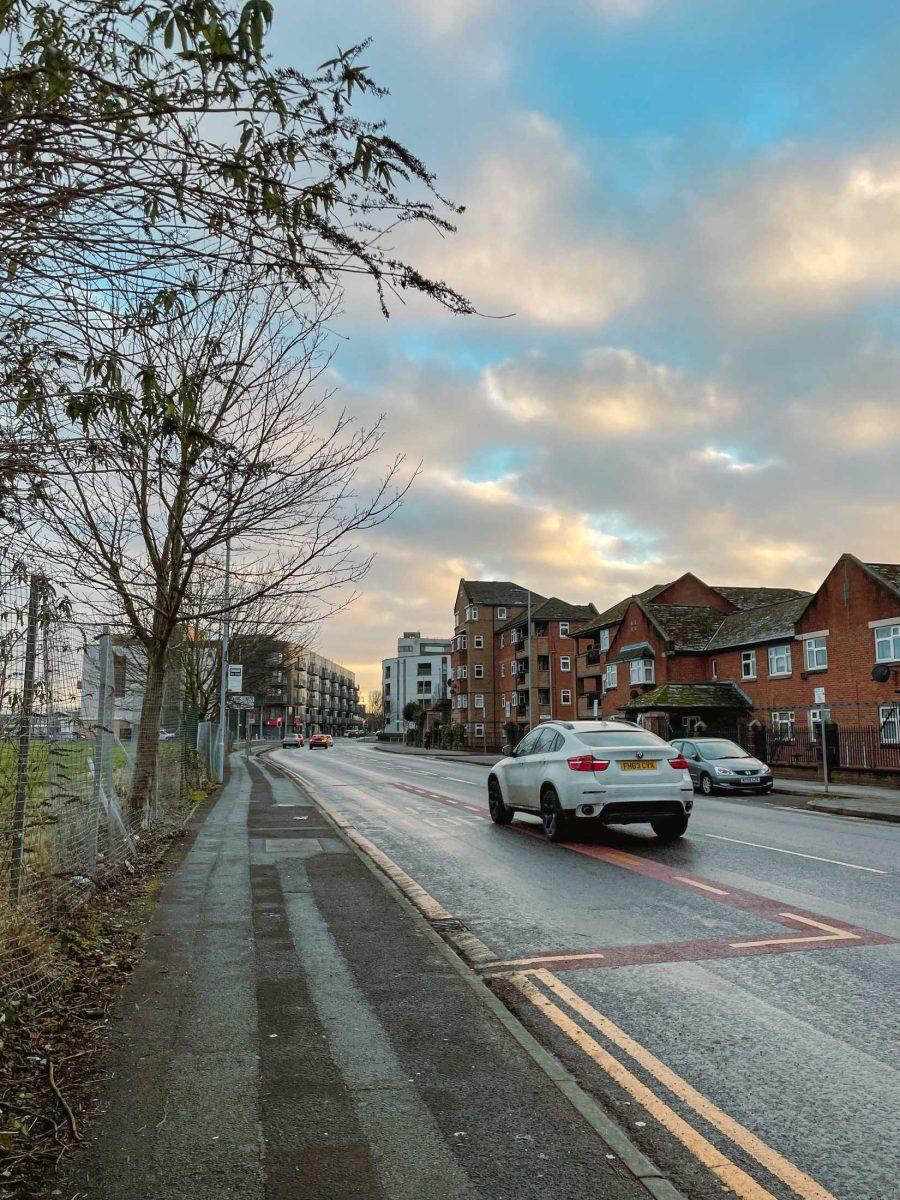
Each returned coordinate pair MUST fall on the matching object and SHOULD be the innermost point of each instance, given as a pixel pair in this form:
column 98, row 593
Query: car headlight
column 724, row 771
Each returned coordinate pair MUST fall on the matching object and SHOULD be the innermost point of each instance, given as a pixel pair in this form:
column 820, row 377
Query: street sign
column 235, row 677
column 243, row 701
column 819, row 695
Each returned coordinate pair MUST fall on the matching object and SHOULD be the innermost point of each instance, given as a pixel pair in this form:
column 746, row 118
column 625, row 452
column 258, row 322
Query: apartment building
column 535, row 661
column 419, row 671
column 765, row 663
column 481, row 607
column 307, row 692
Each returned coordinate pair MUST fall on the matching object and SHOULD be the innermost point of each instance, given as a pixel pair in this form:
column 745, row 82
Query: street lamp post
column 223, row 684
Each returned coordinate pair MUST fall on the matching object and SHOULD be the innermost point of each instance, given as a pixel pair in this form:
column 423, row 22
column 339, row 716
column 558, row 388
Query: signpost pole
column 223, row 686
column 819, row 696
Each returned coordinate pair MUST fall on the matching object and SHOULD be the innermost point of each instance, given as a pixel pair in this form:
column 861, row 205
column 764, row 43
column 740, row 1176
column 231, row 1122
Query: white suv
column 612, row 772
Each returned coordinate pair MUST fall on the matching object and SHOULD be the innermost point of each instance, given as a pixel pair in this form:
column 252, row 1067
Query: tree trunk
column 144, row 776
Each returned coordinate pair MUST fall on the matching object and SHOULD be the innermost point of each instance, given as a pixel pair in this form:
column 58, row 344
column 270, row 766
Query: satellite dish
column 881, row 673
column 634, row 693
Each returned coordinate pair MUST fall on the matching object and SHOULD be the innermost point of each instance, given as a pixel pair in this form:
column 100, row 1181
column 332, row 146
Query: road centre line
column 706, row 887
column 765, row 1155
column 796, row 853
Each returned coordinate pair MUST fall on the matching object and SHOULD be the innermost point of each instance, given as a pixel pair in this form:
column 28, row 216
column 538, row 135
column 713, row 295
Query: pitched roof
column 617, row 612
column 756, row 597
column 495, row 591
column 690, row 695
column 768, row 623
column 631, row 653
column 689, row 626
column 888, row 574
column 553, row 609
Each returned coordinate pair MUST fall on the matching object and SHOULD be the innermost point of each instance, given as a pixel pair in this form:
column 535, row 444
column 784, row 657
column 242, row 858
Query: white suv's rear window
column 628, row 737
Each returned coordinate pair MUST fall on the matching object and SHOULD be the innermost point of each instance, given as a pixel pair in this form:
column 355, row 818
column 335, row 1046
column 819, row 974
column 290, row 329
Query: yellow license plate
column 634, row 765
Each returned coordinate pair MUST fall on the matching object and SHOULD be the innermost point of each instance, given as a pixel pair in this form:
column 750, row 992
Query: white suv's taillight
column 587, row 762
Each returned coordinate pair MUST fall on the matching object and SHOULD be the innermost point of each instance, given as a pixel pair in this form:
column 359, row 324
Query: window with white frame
column 462, row 700
column 714, row 668
column 471, row 613
column 501, row 613
column 640, row 670
column 565, row 662
column 565, row 696
column 564, row 629
column 779, row 660
column 464, row 672
column 479, row 729
column 479, row 642
column 783, row 725
column 815, row 650
column 456, row 619
column 479, row 671
column 604, row 639
column 462, row 642
column 611, row 676
column 502, row 640
column 506, row 708
column 887, row 643
column 479, row 700
column 503, row 670
column 513, row 637
column 889, row 721
column 748, row 664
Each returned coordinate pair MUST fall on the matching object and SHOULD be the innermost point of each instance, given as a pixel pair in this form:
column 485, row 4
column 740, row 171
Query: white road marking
column 836, row 862
column 705, row 886
column 831, row 934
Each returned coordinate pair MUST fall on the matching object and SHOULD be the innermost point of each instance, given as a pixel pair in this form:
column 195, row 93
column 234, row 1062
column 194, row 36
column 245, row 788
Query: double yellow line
column 740, row 1183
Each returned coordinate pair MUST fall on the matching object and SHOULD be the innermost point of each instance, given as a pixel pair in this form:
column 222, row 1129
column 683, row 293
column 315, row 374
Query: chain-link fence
column 92, row 764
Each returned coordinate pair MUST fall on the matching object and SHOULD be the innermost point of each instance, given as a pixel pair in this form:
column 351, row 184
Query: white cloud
column 807, row 235
column 530, row 244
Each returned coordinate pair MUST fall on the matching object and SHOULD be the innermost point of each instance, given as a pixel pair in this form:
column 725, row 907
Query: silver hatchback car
column 610, row 772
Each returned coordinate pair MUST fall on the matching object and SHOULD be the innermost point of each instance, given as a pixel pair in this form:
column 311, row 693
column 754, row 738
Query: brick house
column 746, row 662
column 481, row 607
column 536, row 674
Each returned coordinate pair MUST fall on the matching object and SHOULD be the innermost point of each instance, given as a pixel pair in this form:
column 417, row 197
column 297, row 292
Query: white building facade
column 419, row 671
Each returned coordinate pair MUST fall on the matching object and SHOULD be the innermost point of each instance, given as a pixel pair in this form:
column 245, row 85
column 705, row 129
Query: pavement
column 843, row 799
column 296, row 1029
column 727, row 999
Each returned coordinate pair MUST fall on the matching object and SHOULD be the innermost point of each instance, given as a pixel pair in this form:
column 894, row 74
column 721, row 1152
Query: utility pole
column 528, row 676
column 223, row 684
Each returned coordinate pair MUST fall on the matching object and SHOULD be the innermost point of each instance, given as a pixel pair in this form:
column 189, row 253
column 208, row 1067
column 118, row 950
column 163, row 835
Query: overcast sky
column 692, row 209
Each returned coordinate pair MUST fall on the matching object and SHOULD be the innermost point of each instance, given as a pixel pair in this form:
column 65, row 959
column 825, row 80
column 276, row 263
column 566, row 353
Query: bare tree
column 375, row 712
column 220, row 433
column 259, row 627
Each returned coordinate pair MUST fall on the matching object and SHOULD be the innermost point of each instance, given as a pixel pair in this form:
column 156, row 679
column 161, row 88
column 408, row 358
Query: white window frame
column 471, row 613
column 604, row 640
column 783, row 719
column 479, row 641
column 782, row 650
column 479, row 700
column 479, row 670
column 816, row 716
column 501, row 613
column 887, row 643
column 464, row 672
column 456, row 620
column 565, row 696
column 813, row 647
column 479, row 729
column 748, row 664
column 502, row 640
column 889, row 722
column 564, row 629
column 565, row 662
column 503, row 670
column 611, row 676
column 714, row 668
column 642, row 670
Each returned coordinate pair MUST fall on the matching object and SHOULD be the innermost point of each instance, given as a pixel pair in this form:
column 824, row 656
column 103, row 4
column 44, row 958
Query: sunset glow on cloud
column 684, row 238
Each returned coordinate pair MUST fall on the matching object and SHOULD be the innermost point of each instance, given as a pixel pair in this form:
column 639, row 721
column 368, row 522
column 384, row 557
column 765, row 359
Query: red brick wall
column 691, row 590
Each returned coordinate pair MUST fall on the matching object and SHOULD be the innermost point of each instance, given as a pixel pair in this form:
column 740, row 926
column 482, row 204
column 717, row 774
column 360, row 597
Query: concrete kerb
column 633, row 1159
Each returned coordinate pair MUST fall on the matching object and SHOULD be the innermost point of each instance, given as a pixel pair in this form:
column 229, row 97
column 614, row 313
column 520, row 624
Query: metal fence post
column 17, row 846
column 100, row 746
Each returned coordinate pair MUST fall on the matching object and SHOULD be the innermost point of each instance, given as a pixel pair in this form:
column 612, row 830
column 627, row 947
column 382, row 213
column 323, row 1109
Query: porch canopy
column 720, row 706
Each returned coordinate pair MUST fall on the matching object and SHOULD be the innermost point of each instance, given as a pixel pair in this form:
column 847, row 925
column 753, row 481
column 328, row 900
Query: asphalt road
column 730, row 998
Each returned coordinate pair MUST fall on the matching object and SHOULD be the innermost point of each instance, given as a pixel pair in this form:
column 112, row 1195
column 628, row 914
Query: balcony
column 539, row 645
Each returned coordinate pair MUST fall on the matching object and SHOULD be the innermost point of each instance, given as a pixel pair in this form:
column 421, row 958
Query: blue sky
column 692, row 209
